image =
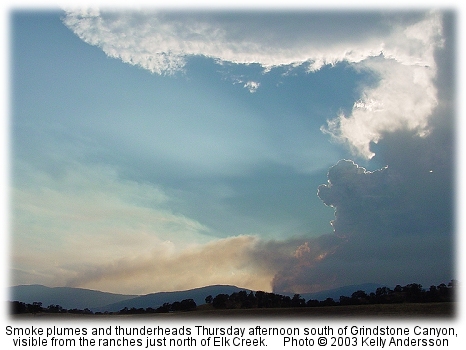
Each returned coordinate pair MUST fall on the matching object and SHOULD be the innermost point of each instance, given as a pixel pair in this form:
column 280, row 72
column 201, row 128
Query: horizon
column 289, row 152
column 25, row 299
column 345, row 289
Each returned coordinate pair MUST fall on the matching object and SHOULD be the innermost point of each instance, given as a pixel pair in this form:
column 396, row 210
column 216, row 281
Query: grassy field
column 407, row 310
column 436, row 310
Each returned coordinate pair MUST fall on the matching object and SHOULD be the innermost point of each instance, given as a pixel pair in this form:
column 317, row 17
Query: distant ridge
column 97, row 301
column 155, row 300
column 78, row 298
column 66, row 297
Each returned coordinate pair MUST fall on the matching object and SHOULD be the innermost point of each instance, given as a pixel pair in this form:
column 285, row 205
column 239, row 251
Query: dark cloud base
column 392, row 226
column 395, row 225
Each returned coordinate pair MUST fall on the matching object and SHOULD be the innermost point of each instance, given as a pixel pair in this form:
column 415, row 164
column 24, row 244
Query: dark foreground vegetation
column 411, row 293
column 435, row 300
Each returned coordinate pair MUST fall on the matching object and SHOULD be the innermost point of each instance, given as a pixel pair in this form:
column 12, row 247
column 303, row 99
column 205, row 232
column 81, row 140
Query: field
column 414, row 310
column 405, row 310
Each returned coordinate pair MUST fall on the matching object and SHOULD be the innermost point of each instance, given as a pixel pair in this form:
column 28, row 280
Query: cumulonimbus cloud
column 392, row 225
column 405, row 96
column 400, row 56
column 402, row 59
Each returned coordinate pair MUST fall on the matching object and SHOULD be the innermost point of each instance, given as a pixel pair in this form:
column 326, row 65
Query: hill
column 78, row 298
column 97, row 301
column 66, row 297
column 155, row 300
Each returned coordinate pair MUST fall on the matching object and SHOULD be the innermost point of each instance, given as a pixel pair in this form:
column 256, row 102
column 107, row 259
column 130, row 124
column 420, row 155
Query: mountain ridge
column 157, row 299
column 98, row 301
column 66, row 297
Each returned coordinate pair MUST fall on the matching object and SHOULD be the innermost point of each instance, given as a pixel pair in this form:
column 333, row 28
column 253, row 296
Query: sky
column 287, row 151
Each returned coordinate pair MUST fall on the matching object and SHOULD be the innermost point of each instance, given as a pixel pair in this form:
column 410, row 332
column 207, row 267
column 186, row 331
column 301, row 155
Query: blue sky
column 165, row 150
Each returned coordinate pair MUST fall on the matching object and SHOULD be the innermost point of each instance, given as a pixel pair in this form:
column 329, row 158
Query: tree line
column 17, row 307
column 411, row 293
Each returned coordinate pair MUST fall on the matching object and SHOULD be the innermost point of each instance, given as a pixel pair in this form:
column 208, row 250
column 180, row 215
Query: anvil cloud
column 157, row 150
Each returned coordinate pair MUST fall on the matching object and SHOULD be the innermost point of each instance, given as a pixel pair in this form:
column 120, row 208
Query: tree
column 344, row 300
column 359, row 297
column 54, row 309
column 187, row 305
column 220, row 301
column 313, row 302
column 164, row 308
column 18, row 307
column 328, row 302
column 382, row 291
column 297, row 301
column 36, row 307
column 413, row 292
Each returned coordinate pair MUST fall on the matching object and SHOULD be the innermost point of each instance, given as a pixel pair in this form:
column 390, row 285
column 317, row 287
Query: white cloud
column 252, row 86
column 404, row 99
column 402, row 56
column 405, row 96
column 161, row 41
